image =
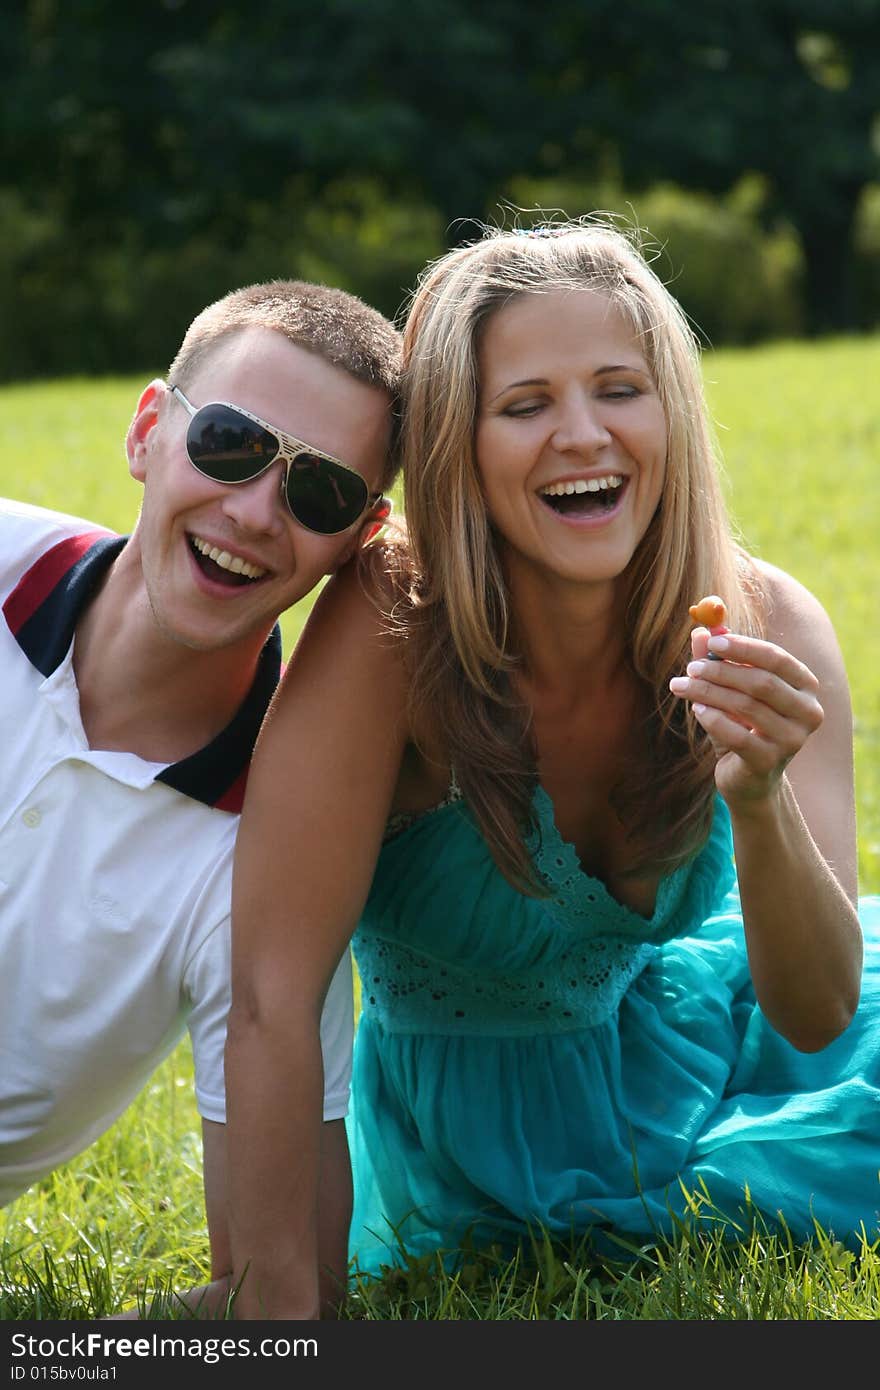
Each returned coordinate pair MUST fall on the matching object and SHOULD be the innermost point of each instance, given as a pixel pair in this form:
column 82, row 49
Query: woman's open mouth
column 583, row 497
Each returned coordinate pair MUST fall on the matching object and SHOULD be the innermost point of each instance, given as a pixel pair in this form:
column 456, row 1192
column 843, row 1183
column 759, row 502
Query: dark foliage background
column 155, row 154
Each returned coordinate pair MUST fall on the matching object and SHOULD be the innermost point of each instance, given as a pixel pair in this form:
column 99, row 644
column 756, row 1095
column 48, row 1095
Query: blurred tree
column 161, row 124
column 698, row 93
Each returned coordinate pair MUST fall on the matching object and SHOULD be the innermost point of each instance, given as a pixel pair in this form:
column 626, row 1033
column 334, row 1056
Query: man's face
column 267, row 560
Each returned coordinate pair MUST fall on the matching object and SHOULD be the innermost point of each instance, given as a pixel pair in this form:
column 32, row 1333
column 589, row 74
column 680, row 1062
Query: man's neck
column 142, row 692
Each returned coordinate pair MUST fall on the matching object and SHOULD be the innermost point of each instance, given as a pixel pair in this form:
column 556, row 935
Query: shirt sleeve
column 337, row 1039
column 208, row 987
column 207, row 984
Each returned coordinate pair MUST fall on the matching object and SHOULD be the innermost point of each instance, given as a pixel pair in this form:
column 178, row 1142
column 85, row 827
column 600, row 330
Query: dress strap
column 402, row 820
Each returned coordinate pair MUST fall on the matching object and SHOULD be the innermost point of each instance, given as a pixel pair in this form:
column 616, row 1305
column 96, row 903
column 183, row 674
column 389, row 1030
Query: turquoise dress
column 570, row 1063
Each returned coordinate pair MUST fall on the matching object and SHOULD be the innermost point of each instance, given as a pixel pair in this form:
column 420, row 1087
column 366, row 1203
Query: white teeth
column 234, row 563
column 568, row 489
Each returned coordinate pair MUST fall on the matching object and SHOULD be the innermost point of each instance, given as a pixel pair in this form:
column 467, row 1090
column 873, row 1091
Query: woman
column 506, row 758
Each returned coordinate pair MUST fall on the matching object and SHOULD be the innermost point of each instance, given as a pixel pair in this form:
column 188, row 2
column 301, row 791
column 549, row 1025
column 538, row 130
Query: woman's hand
column 757, row 703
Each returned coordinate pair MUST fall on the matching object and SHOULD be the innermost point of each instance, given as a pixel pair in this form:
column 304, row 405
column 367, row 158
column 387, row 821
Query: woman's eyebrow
column 622, row 367
column 527, row 381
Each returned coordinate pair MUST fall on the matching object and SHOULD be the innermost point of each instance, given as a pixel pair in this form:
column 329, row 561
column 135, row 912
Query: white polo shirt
column 115, row 878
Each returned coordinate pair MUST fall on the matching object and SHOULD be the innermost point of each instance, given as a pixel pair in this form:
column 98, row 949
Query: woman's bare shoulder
column 355, row 608
column 794, row 615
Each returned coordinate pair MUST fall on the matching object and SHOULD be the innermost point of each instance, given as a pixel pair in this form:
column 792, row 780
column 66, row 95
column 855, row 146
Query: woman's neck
column 571, row 636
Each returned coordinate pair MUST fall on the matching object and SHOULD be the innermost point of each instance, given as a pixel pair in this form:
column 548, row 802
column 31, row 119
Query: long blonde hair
column 457, row 618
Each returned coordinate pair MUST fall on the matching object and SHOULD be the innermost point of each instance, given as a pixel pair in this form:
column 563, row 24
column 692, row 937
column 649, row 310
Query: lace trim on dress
column 594, row 946
column 407, row 991
column 579, row 897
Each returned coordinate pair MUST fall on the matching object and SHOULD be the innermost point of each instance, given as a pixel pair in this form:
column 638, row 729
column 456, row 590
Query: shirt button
column 32, row 817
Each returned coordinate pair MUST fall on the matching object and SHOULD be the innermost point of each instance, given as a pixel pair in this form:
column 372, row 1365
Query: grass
column 800, row 432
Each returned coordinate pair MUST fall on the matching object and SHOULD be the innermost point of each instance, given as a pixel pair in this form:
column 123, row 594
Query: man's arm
column 334, row 1216
column 209, row 1300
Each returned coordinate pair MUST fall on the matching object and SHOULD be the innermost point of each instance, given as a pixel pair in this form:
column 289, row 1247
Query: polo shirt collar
column 42, row 613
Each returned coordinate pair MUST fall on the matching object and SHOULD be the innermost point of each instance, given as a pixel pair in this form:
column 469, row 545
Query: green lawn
column 799, row 427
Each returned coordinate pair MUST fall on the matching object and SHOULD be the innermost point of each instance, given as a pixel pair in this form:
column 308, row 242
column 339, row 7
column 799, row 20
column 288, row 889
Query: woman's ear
column 145, row 417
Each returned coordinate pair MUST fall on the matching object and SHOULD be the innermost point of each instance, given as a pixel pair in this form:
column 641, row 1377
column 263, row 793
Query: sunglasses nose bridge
column 258, row 504
column 286, row 457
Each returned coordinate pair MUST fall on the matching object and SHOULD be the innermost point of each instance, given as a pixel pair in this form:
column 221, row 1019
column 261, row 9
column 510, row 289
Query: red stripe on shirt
column 37, row 583
column 233, row 798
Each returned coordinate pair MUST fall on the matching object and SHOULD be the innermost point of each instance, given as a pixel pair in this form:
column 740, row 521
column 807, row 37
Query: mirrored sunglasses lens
column 324, row 497
column 227, row 446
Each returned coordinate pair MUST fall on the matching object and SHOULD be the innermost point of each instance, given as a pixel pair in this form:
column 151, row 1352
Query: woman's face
column 571, row 435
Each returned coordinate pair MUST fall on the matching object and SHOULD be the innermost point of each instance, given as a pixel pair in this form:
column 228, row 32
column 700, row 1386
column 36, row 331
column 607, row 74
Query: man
column 137, row 672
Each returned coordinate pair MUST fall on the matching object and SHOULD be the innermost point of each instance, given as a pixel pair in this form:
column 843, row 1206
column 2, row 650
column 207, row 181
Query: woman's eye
column 621, row 393
column 525, row 409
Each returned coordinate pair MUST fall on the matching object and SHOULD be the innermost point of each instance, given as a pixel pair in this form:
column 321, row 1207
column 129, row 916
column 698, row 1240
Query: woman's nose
column 581, row 426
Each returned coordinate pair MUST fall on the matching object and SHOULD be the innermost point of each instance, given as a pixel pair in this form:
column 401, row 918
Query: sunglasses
column 229, row 445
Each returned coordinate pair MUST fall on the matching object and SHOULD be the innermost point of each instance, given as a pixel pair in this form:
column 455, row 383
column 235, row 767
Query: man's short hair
column 332, row 323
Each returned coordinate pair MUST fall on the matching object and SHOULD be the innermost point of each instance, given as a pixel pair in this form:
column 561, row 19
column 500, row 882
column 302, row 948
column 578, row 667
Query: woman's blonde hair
column 461, row 639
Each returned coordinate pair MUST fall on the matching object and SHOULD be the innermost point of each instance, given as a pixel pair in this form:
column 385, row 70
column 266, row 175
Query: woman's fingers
column 699, row 643
column 754, row 681
column 755, row 700
column 763, row 754
column 767, row 656
column 754, row 696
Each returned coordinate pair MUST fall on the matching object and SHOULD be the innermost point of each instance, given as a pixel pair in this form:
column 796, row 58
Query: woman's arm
column 778, row 712
column 319, row 791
